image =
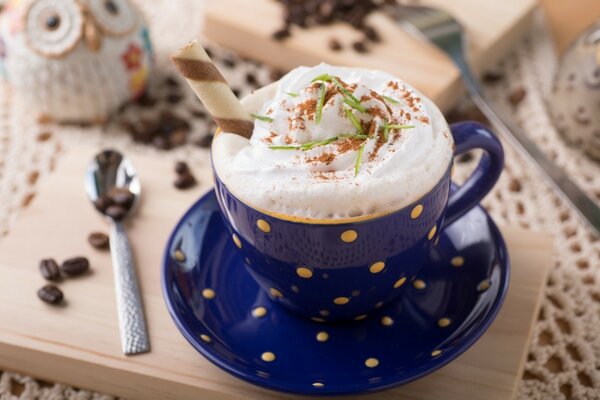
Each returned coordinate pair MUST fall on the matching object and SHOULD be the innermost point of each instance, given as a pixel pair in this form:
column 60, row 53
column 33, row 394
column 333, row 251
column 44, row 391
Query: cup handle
column 469, row 136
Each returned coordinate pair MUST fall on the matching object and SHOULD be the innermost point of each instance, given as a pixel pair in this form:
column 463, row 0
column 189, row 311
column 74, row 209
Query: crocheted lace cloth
column 564, row 358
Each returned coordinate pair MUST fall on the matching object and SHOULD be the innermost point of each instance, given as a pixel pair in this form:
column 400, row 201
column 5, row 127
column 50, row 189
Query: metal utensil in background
column 108, row 170
column 441, row 29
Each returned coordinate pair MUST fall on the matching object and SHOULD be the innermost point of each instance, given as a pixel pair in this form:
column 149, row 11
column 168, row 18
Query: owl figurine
column 74, row 60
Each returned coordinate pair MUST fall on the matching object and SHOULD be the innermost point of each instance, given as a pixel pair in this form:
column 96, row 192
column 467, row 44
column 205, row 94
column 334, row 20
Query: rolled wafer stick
column 212, row 89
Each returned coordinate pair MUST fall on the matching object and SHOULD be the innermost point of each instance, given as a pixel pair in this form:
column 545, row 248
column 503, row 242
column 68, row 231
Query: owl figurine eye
column 115, row 17
column 53, row 27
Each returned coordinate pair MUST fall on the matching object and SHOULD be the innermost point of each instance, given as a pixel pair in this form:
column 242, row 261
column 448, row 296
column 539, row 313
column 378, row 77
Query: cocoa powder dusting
column 325, row 158
column 270, row 138
column 348, row 144
column 308, row 108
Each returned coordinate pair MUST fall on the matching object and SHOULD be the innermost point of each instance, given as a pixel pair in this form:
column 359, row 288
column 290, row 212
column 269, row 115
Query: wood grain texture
column 493, row 26
column 79, row 344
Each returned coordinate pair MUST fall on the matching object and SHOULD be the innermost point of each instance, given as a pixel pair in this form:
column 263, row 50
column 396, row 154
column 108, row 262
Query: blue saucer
column 222, row 312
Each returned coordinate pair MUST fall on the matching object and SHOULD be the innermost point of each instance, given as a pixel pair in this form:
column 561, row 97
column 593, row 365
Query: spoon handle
column 132, row 322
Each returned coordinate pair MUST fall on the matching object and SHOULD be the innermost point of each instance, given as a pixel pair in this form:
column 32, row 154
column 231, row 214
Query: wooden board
column 79, row 344
column 492, row 25
column 569, row 18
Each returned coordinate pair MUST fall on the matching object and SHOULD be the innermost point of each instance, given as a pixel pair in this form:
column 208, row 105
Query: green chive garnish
column 318, row 143
column 320, row 103
column 345, row 91
column 292, row 94
column 354, row 104
column 284, row 147
column 359, row 159
column 262, row 117
column 348, row 97
column 352, row 136
column 354, row 120
column 386, row 131
column 324, row 78
column 391, row 100
column 401, row 126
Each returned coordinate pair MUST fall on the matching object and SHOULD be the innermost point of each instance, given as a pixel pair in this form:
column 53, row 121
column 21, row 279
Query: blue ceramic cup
column 343, row 269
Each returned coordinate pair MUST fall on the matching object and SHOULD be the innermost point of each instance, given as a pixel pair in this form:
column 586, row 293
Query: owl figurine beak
column 92, row 35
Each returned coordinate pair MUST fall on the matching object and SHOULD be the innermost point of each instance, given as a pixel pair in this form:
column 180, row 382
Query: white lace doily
column 564, row 358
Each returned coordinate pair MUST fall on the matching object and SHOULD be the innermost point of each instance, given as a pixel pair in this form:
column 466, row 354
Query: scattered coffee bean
column 229, row 61
column 308, row 13
column 251, row 79
column 120, row 196
column 276, row 74
column 116, row 212
column 49, row 269
column 75, row 266
column 517, row 96
column 185, row 181
column 371, row 34
column 98, row 240
column 281, row 34
column 492, row 77
column 50, row 294
column 101, row 204
column 335, row 45
column 181, row 168
column 204, row 141
column 200, row 114
column 171, row 81
column 174, row 98
column 360, row 47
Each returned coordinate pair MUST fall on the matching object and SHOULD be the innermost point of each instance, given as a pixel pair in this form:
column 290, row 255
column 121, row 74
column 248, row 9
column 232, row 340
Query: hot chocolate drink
column 333, row 143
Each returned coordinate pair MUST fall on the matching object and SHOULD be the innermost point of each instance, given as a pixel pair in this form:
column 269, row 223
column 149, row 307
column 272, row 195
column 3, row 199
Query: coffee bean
column 517, row 96
column 492, row 77
column 49, row 269
column 229, row 61
column 98, row 240
column 236, row 92
column 200, row 114
column 360, row 47
column 251, row 79
column 181, row 168
column 116, row 212
column 335, row 45
column 75, row 266
column 120, row 196
column 101, row 204
column 185, row 181
column 204, row 141
column 371, row 34
column 50, row 294
column 282, row 33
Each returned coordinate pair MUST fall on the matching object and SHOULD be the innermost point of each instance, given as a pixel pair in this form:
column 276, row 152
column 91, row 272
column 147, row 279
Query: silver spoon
column 108, row 170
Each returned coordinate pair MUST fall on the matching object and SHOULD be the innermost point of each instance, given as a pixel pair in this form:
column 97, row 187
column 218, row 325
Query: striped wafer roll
column 212, row 89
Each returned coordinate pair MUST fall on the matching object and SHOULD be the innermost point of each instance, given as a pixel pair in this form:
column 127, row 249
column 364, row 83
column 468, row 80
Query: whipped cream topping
column 332, row 142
